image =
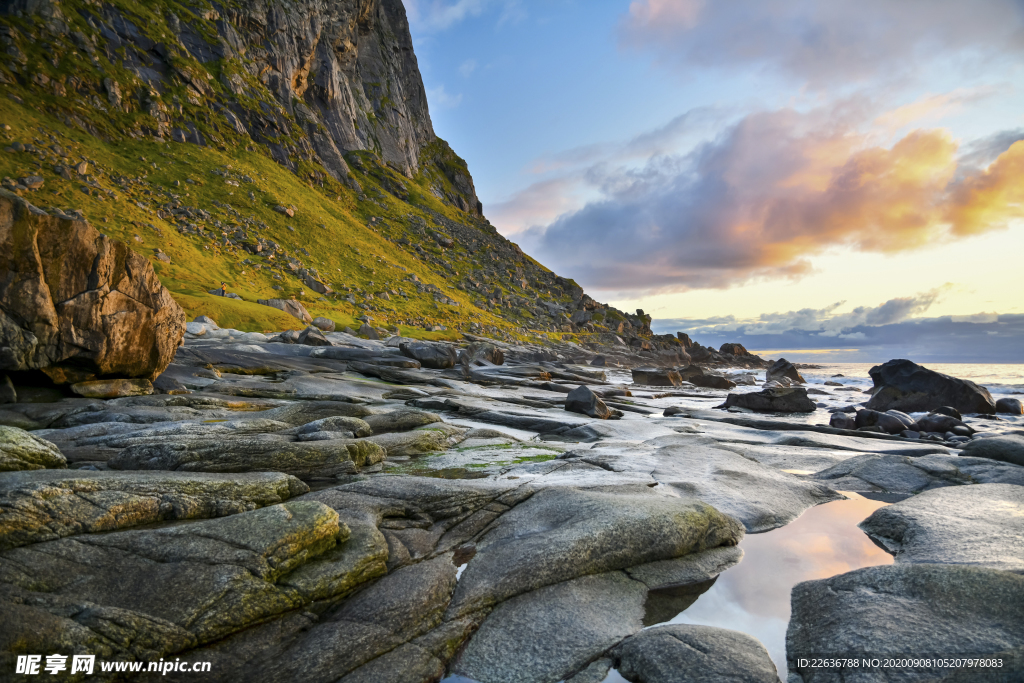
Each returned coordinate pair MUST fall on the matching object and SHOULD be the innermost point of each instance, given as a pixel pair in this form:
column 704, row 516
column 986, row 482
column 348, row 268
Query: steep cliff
column 283, row 147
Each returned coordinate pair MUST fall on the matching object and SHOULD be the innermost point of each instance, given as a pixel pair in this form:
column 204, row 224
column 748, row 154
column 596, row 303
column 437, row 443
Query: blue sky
column 735, row 161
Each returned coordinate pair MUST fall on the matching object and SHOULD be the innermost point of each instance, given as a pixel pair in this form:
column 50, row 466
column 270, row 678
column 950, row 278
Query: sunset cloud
column 766, row 196
column 819, row 42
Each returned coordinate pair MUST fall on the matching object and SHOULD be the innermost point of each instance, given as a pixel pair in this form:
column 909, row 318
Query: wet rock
column 79, row 305
column 311, row 336
column 20, row 450
column 907, row 386
column 890, row 424
column 673, row 410
column 1001, row 448
column 289, row 306
column 401, row 420
column 687, row 653
column 842, row 421
column 329, row 425
column 164, row 590
column 782, row 368
column 931, row 608
column 656, row 377
column 940, row 423
column 113, row 388
column 698, row 377
column 974, row 525
column 773, row 400
column 435, row 356
column 44, row 505
column 305, row 460
column 906, row 475
column 549, row 633
column 947, row 410
column 583, row 400
column 560, row 534
column 1010, row 406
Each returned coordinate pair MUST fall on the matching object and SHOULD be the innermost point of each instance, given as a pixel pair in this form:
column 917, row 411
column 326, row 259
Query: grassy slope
column 332, row 222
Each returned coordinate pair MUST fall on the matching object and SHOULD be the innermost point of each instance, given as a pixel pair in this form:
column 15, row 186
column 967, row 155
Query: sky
column 840, row 179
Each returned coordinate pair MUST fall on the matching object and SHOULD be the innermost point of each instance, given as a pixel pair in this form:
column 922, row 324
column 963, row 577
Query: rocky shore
column 394, row 510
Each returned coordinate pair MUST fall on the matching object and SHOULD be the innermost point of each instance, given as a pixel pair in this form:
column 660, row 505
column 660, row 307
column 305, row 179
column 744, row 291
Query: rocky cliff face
column 311, row 79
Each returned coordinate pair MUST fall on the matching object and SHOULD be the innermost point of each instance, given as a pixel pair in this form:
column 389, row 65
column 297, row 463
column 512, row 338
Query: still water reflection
column 753, row 596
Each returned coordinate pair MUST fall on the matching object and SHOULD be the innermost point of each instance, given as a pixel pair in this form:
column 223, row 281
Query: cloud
column 818, row 42
column 467, row 68
column 432, row 16
column 761, row 199
column 439, row 97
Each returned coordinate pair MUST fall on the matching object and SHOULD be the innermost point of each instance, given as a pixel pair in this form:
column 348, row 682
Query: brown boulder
column 76, row 304
column 734, row 350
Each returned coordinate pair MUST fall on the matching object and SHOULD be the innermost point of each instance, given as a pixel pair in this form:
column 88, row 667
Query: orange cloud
column 991, row 199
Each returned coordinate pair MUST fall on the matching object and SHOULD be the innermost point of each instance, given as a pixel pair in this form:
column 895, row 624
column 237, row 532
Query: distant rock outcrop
column 78, row 305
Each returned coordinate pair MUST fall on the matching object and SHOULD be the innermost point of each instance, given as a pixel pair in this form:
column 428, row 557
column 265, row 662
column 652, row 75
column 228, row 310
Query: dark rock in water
column 697, row 376
column 783, row 368
column 1002, row 448
column 773, row 400
column 1011, row 406
column 842, row 421
column 583, row 400
column 289, row 306
column 687, row 653
column 947, row 410
column 312, row 336
column 904, row 610
column 435, row 356
column 976, row 525
column 78, row 305
column 598, row 362
column 941, row 423
column 482, row 351
column 20, row 450
column 890, row 424
column 656, row 377
column 673, row 410
column 908, row 421
column 734, row 350
column 907, row 386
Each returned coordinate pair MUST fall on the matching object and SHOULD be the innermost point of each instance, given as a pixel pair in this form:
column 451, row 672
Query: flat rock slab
column 1002, row 448
column 43, row 505
column 904, row 610
column 560, row 534
column 975, row 525
column 686, row 653
column 20, row 450
column 547, row 634
column 214, row 577
column 762, row 498
column 897, row 474
column 305, row 460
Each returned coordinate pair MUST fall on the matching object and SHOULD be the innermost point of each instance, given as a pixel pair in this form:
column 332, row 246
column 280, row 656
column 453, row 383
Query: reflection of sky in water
column 753, row 596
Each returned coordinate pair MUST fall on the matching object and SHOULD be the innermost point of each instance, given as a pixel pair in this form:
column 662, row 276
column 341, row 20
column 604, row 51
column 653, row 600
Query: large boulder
column 656, row 377
column 1002, row 448
column 905, row 385
column 583, row 400
column 1010, row 406
column 76, row 304
column 698, row 377
column 773, row 400
column 783, row 368
column 434, row 356
column 20, row 450
column 289, row 306
column 734, row 349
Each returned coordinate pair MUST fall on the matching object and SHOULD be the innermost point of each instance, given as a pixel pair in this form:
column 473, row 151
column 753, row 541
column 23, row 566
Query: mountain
column 284, row 148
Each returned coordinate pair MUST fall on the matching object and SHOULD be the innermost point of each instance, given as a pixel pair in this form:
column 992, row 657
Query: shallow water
column 753, row 597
